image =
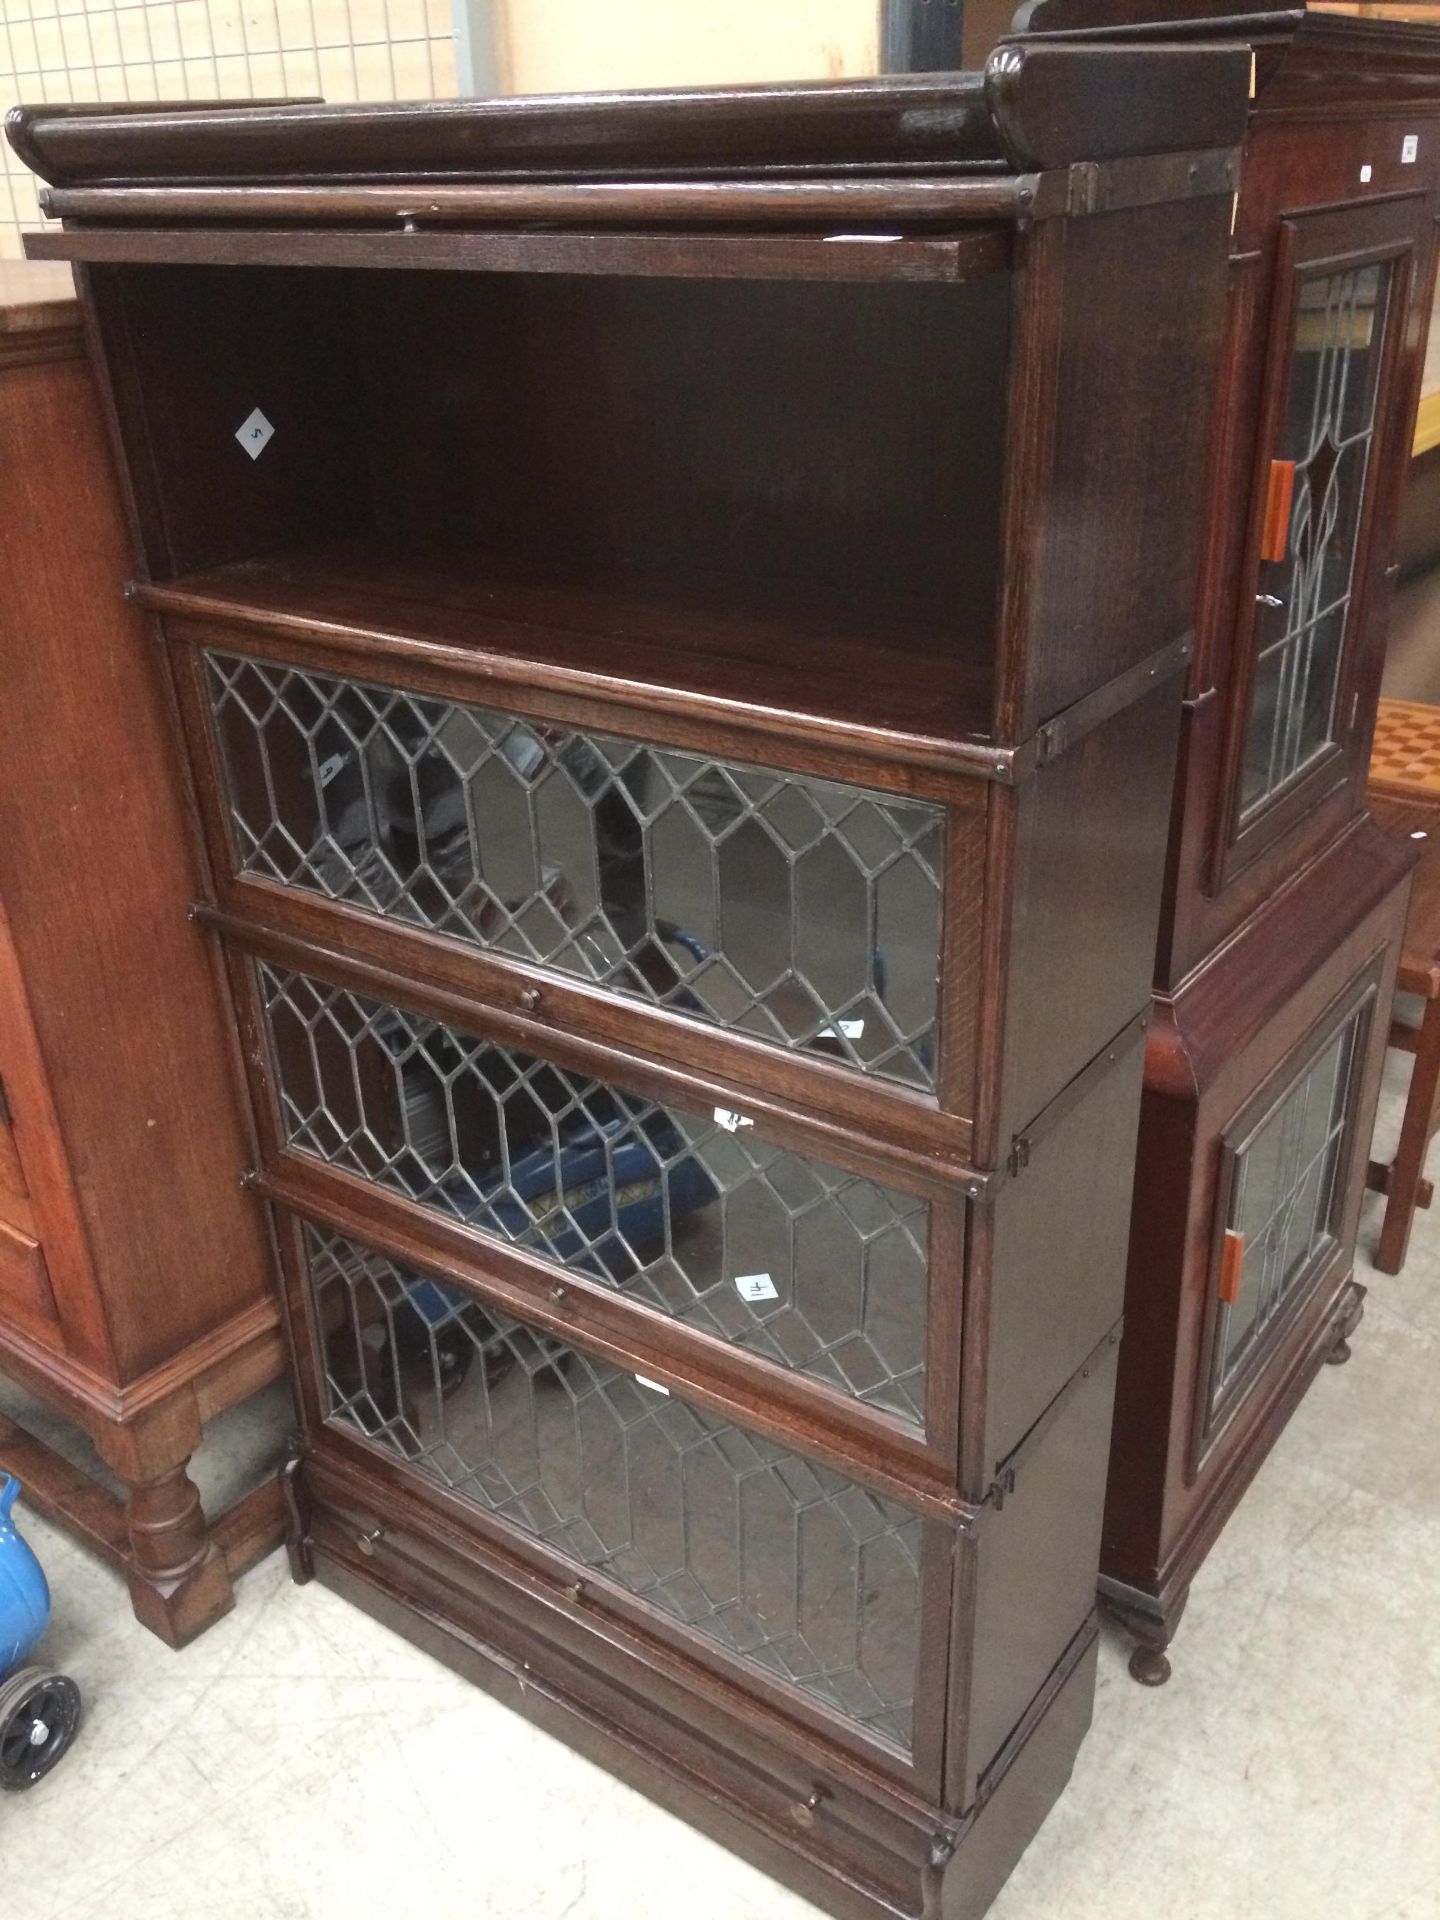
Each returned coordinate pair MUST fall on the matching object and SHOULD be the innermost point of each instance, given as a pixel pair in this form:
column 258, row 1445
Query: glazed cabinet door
column 1318, row 547
column 1287, row 1165
column 735, row 1243
column 790, row 1575
column 803, row 912
column 811, row 929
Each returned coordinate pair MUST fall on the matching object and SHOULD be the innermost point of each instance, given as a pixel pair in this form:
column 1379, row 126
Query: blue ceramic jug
column 24, row 1596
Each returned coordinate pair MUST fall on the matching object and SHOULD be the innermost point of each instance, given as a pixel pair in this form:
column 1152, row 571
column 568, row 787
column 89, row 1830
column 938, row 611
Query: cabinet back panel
column 203, row 348
column 598, row 425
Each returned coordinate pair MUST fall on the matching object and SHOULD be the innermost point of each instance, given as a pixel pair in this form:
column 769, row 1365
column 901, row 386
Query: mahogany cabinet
column 677, row 607
column 1271, row 869
column 136, row 1291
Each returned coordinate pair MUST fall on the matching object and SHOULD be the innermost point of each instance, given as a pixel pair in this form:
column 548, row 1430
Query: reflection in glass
column 1284, row 1199
column 798, row 1262
column 790, row 1566
column 798, row 910
column 1304, row 598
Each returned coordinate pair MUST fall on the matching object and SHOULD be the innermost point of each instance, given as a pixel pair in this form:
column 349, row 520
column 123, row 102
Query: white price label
column 653, row 1385
column 848, row 1029
column 732, row 1122
column 255, row 434
column 1409, row 149
column 756, row 1286
column 329, row 768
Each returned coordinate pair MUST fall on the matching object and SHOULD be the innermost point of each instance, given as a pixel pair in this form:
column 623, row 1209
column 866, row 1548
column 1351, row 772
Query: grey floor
column 300, row 1763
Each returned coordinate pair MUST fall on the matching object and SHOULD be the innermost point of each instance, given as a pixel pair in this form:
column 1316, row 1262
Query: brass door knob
column 804, row 1811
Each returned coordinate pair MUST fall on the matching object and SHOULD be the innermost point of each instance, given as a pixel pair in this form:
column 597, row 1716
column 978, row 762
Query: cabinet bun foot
column 1149, row 1666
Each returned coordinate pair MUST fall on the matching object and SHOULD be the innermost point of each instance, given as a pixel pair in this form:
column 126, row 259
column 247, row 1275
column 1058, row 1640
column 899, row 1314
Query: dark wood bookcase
column 1283, row 904
column 678, row 607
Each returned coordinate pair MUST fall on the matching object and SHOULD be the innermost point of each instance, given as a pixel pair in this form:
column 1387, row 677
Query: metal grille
column 798, row 910
column 784, row 1563
column 55, row 50
column 1285, row 1197
column 1304, row 599
column 804, row 1265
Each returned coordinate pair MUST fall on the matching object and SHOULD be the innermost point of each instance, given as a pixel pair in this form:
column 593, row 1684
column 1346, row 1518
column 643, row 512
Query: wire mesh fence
column 87, row 50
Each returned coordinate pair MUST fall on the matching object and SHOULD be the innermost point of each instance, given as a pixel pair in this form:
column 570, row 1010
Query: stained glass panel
column 1284, row 1198
column 1304, row 598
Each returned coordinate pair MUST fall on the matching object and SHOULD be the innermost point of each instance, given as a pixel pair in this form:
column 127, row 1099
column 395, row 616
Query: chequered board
column 1405, row 759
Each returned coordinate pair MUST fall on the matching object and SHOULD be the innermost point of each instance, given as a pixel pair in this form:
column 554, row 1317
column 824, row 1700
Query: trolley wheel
column 39, row 1716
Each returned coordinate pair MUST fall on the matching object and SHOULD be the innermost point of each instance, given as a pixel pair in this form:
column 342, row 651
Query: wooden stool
column 1404, row 793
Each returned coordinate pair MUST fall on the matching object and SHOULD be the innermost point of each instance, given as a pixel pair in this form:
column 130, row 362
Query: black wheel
column 39, row 1716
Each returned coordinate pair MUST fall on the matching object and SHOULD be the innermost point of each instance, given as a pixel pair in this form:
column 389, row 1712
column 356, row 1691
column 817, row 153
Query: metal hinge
column 1061, row 732
column 1003, row 1485
column 999, row 1490
column 1082, row 187
column 1023, row 1144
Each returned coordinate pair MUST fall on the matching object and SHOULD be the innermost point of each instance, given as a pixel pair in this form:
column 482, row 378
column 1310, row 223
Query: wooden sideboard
column 136, row 1295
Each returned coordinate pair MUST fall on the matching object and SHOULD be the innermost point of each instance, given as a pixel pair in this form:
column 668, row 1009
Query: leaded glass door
column 1283, row 1193
column 1332, row 394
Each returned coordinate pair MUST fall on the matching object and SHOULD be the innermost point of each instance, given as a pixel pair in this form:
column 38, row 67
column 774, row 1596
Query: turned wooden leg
column 178, row 1578
column 1407, row 1173
column 179, row 1582
column 1152, row 1630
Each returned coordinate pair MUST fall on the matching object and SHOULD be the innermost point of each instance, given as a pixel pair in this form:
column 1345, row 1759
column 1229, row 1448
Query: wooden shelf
column 892, row 688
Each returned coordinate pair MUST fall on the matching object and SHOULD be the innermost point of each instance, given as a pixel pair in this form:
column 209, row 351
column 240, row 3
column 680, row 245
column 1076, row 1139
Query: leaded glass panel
column 782, row 1562
column 798, row 910
column 1284, row 1197
column 1304, row 599
column 798, row 1262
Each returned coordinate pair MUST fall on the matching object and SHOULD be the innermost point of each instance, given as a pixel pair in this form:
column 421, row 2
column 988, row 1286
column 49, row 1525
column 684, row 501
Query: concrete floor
column 300, row 1763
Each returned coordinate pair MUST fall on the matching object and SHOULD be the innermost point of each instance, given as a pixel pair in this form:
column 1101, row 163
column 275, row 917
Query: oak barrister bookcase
column 1283, row 905
column 678, row 606
column 136, row 1285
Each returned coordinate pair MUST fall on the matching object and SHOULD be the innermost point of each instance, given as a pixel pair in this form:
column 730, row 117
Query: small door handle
column 367, row 1542
column 1232, row 1259
column 1279, row 493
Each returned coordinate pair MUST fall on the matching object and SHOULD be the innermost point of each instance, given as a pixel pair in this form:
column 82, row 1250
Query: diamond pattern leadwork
column 1284, row 1199
column 798, row 910
column 782, row 1562
column 798, row 1262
